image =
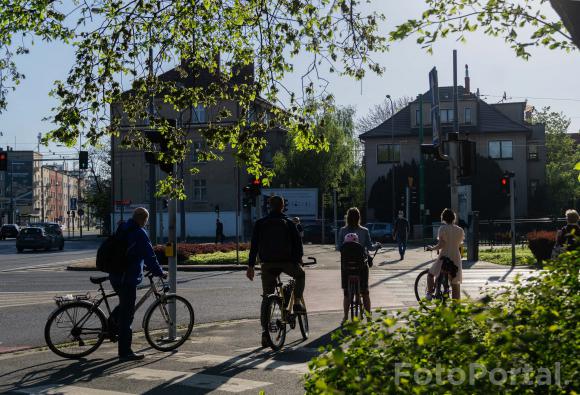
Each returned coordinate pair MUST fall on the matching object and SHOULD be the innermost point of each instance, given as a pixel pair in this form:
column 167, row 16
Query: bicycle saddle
column 99, row 280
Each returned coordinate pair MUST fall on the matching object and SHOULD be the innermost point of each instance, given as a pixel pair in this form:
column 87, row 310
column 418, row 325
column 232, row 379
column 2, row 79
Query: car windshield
column 31, row 231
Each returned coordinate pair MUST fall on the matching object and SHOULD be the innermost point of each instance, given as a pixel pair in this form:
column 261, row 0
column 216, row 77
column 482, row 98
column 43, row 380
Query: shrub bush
column 525, row 336
column 541, row 244
column 186, row 250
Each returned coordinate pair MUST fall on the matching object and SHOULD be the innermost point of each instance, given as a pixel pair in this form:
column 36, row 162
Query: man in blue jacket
column 125, row 284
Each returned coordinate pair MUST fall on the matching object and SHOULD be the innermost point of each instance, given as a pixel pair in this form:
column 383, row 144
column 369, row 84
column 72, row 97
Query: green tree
column 339, row 168
column 98, row 193
column 562, row 155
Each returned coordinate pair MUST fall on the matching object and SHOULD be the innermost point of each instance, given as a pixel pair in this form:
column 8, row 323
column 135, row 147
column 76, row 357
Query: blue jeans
column 123, row 316
column 402, row 247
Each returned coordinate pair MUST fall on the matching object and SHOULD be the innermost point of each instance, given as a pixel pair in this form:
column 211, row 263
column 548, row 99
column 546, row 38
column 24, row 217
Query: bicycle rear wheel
column 275, row 323
column 161, row 332
column 356, row 308
column 421, row 287
column 75, row 330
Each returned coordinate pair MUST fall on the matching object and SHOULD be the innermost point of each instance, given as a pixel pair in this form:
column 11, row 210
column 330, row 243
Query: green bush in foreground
column 218, row 258
column 521, row 339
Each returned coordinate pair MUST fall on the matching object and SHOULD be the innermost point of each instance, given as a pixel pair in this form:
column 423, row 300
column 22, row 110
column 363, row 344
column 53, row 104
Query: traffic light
column 162, row 141
column 165, row 203
column 3, row 161
column 467, row 158
column 431, row 151
column 246, row 202
column 83, row 160
column 505, row 184
column 285, row 205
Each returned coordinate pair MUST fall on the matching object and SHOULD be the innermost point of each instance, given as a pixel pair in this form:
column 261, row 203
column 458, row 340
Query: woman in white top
column 450, row 238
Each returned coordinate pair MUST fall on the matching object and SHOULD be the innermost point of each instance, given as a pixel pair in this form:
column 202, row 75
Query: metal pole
column 453, row 144
column 322, row 217
column 12, row 214
column 42, row 192
column 392, row 162
column 152, row 169
column 335, row 199
column 513, row 217
column 421, row 171
column 237, row 176
column 408, row 204
column 172, row 262
column 183, row 233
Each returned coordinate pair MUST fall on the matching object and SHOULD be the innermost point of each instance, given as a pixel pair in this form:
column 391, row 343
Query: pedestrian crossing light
column 83, row 160
column 505, row 185
column 3, row 161
column 285, row 205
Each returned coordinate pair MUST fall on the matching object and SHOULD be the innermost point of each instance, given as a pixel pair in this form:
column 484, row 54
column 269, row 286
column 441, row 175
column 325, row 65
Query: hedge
column 520, row 339
column 541, row 244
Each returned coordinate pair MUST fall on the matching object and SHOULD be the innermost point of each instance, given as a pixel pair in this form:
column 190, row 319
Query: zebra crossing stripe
column 195, row 380
column 66, row 390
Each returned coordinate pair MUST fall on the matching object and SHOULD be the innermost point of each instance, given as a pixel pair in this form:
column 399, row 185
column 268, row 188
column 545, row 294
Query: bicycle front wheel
column 164, row 333
column 75, row 330
column 275, row 322
column 421, row 286
column 303, row 323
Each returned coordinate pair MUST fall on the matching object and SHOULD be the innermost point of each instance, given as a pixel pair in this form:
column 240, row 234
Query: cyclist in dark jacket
column 139, row 252
column 276, row 241
column 569, row 236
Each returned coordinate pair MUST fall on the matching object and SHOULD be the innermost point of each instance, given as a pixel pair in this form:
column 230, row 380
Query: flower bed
column 187, row 250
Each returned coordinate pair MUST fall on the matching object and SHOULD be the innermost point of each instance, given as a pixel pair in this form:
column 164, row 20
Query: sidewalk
column 219, row 358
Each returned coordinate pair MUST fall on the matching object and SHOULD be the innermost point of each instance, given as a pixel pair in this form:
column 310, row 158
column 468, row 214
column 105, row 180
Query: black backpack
column 352, row 257
column 112, row 254
column 275, row 241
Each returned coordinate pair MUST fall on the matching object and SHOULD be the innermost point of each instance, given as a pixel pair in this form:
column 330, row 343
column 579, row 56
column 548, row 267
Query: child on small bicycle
column 353, row 232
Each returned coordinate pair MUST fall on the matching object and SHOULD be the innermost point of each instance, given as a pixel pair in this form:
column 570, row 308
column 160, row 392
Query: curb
column 184, row 268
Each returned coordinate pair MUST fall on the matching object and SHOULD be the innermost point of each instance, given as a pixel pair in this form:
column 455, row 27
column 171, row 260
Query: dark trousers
column 219, row 238
column 402, row 247
column 123, row 315
column 271, row 271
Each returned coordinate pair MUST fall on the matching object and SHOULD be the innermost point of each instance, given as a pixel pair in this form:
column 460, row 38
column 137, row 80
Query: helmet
column 351, row 238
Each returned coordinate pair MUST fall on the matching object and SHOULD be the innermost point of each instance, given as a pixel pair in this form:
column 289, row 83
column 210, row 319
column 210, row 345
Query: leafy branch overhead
column 522, row 24
column 220, row 38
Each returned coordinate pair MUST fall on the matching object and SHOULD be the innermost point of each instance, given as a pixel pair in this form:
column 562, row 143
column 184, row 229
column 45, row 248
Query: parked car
column 38, row 238
column 55, row 231
column 313, row 233
column 9, row 230
column 380, row 231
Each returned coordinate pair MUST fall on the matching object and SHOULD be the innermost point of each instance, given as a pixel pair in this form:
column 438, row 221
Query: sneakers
column 131, row 357
column 429, row 296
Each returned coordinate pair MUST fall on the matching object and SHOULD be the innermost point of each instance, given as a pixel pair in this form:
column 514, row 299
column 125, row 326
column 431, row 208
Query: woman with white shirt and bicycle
column 450, row 238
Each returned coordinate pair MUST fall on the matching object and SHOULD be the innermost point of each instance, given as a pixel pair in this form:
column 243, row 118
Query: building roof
column 489, row 119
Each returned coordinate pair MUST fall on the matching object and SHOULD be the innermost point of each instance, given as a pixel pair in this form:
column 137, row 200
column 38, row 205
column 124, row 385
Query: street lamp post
column 392, row 161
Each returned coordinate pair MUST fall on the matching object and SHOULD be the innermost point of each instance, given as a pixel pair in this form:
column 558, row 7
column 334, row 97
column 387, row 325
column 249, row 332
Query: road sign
column 435, row 116
column 73, row 204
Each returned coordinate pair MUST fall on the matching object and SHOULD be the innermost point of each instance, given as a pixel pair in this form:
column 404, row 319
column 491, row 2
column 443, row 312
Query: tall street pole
column 453, row 144
column 42, row 192
column 152, row 168
column 79, row 190
column 392, row 159
column 421, row 170
column 172, row 238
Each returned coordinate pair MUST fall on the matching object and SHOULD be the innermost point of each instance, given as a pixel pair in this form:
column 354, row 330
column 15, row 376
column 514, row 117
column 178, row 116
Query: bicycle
column 354, row 294
column 279, row 313
column 78, row 326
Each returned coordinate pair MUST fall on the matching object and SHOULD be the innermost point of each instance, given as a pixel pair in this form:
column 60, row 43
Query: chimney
column 467, row 79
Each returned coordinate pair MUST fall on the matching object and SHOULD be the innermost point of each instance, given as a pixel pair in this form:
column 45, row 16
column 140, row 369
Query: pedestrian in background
column 219, row 231
column 569, row 236
column 401, row 233
column 139, row 251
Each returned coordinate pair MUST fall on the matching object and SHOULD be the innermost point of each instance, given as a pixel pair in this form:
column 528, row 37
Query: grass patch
column 218, row 258
column 503, row 256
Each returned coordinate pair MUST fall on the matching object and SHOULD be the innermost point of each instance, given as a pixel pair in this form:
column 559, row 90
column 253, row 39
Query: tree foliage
column 522, row 24
column 521, row 330
column 563, row 191
column 339, row 168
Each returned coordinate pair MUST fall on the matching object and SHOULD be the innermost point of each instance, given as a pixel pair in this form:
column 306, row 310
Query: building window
column 501, row 149
column 197, row 147
column 446, row 115
column 467, row 116
column 417, row 116
column 533, row 152
column 199, row 114
column 388, row 153
column 199, row 191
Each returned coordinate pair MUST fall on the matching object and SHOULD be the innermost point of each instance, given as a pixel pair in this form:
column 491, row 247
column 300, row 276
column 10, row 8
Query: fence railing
column 498, row 232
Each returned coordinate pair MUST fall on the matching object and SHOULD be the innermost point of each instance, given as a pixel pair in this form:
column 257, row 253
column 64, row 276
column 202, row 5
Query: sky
column 549, row 78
